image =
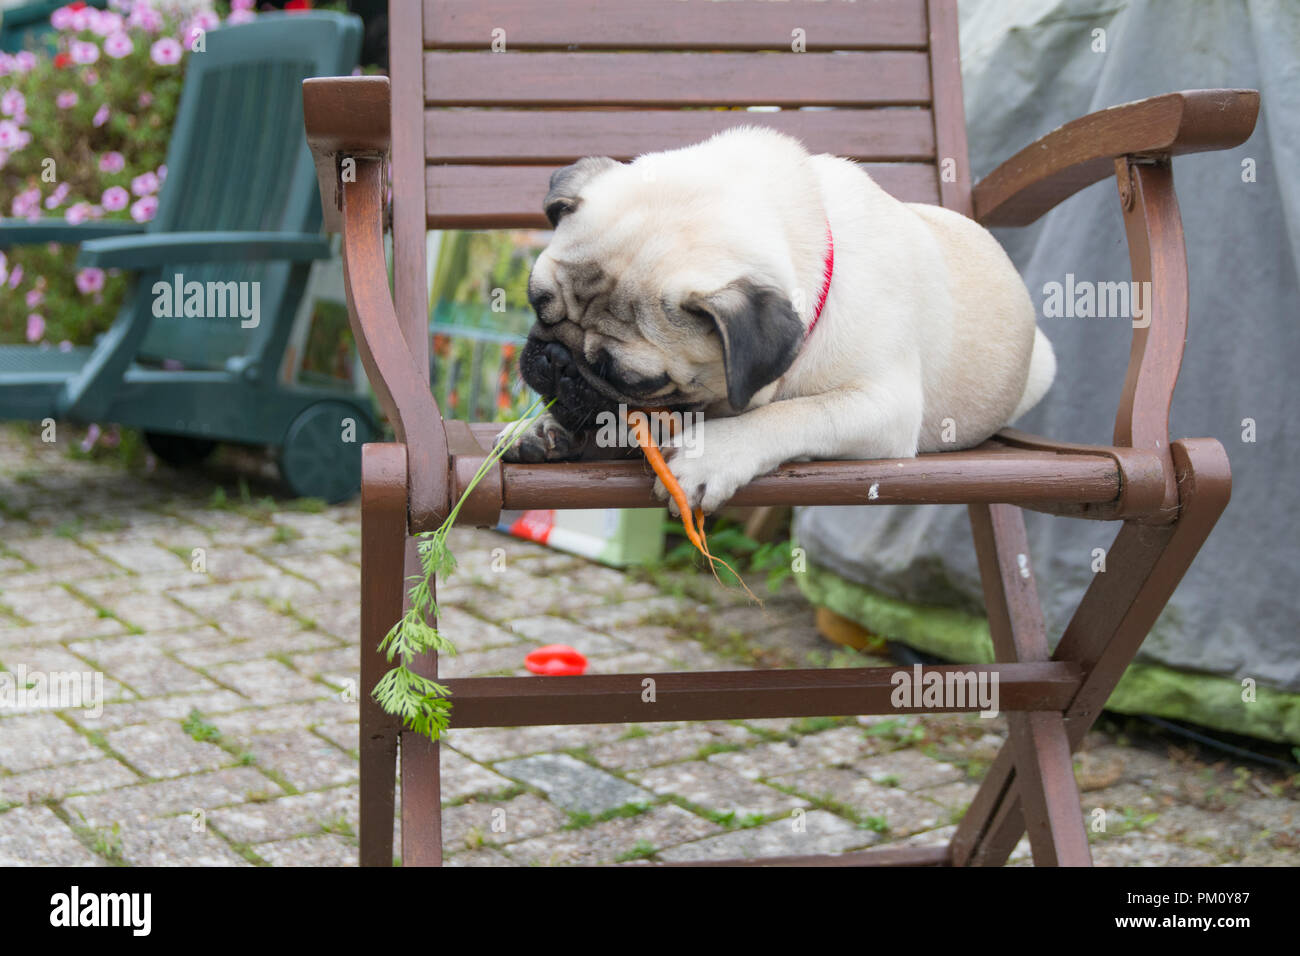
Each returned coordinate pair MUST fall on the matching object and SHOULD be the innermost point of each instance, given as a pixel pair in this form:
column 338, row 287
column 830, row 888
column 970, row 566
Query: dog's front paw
column 544, row 440
column 713, row 462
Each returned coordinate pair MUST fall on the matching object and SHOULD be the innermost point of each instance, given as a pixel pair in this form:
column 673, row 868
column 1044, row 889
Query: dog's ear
column 760, row 334
column 567, row 183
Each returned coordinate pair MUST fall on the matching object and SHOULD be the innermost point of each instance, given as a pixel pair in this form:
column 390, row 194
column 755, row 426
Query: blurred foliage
column 481, row 315
column 83, row 136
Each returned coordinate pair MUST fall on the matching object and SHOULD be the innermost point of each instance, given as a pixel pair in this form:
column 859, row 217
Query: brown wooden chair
column 617, row 81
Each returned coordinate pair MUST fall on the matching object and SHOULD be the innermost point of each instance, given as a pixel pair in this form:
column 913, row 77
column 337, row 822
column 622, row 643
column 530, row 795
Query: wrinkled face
column 653, row 293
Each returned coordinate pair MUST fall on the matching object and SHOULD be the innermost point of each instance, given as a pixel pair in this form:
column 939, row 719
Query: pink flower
column 240, row 16
column 112, row 162
column 14, row 138
column 90, row 78
column 90, row 280
column 241, row 4
column 144, row 184
column 15, row 276
column 101, row 116
column 106, row 24
column 4, row 267
column 11, row 136
column 12, row 103
column 83, row 52
column 55, row 199
column 26, row 204
column 144, row 208
column 34, row 298
column 166, row 52
column 61, row 19
column 115, row 198
column 77, row 213
column 204, row 20
column 144, row 100
column 66, row 100
column 35, row 327
column 162, row 173
column 24, row 61
column 145, row 17
column 92, row 436
column 118, row 45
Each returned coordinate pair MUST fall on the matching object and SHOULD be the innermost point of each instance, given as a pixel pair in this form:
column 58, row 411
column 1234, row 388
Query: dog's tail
column 1042, row 369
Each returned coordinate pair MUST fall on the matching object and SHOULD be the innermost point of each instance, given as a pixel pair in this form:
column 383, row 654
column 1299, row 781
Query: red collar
column 828, row 269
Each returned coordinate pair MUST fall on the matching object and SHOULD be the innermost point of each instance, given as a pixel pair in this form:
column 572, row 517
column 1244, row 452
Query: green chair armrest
column 23, row 232
column 163, row 248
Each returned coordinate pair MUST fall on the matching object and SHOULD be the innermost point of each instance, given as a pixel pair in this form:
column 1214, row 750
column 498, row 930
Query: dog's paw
column 544, row 440
column 713, row 462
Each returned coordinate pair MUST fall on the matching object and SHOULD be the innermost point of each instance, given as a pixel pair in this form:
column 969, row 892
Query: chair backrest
column 509, row 90
column 237, row 161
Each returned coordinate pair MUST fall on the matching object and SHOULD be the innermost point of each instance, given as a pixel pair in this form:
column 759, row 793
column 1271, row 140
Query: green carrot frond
column 419, row 702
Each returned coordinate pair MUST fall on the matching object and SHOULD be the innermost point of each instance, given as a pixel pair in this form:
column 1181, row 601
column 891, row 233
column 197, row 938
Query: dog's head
column 666, row 285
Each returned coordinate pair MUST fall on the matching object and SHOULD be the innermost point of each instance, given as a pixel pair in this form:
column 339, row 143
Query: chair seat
column 1001, row 470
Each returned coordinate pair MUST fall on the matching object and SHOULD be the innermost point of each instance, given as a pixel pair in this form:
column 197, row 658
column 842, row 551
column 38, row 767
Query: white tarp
column 1029, row 67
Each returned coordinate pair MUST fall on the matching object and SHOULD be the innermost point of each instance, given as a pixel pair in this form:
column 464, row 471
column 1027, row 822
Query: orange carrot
column 692, row 523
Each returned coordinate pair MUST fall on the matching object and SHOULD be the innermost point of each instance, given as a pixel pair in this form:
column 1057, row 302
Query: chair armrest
column 160, row 248
column 345, row 117
column 1083, row 152
column 22, row 232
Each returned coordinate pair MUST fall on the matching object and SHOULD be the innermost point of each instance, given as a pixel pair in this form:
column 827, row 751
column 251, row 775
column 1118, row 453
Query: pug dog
column 804, row 311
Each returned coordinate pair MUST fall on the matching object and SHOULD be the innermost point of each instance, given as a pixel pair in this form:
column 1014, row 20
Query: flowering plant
column 84, row 127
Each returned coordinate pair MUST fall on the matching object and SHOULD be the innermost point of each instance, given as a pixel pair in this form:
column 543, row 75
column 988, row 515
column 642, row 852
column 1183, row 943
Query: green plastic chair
column 27, row 25
column 240, row 205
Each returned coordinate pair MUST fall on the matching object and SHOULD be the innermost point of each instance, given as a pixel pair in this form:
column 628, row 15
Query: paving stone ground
column 222, row 619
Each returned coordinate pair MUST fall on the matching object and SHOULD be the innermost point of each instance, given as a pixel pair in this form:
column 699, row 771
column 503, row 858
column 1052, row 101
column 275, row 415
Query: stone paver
column 652, row 749
column 302, row 814
column 175, row 841
column 28, row 741
column 179, row 795
column 611, row 840
column 896, row 809
column 470, row 825
column 325, row 849
column 716, row 789
column 98, row 573
column 163, row 749
column 35, row 836
column 802, row 834
column 573, row 785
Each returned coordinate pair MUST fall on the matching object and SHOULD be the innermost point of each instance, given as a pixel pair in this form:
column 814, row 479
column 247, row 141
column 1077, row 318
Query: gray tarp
column 1029, row 67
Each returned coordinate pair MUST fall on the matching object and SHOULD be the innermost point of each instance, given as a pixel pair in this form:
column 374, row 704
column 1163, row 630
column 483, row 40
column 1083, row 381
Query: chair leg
column 421, row 775
column 1143, row 567
column 1037, row 739
column 383, row 531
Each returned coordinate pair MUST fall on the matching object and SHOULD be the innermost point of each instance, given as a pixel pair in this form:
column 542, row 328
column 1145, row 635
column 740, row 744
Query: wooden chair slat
column 509, row 197
column 892, row 78
column 720, row 695
column 560, row 137
column 672, row 24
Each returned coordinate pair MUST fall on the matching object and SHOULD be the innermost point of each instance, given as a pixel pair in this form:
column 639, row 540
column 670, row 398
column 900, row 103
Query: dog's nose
column 555, row 361
column 545, row 364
